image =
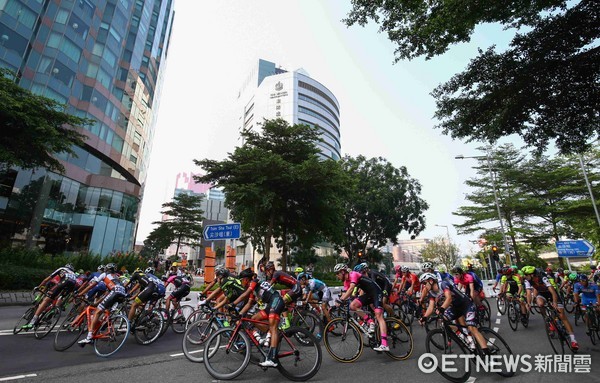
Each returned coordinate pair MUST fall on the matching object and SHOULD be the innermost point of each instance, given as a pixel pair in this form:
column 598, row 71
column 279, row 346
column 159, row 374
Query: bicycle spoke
column 299, row 354
column 225, row 357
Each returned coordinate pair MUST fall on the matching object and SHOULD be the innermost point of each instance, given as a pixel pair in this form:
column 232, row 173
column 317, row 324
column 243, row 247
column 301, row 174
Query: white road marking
column 17, row 377
column 498, row 314
column 471, row 380
column 498, row 321
column 496, row 329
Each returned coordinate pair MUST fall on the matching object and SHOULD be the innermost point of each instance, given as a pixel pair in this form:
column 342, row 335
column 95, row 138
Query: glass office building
column 103, row 59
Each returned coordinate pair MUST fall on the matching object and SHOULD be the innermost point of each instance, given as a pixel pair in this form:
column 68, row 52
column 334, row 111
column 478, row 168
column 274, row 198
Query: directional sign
column 222, row 231
column 579, row 248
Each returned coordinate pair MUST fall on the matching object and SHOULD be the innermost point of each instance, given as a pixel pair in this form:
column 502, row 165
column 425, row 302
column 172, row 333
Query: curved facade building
column 103, row 59
column 271, row 92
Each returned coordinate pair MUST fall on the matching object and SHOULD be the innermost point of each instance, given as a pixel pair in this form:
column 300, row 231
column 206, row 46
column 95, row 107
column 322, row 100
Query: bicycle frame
column 282, row 336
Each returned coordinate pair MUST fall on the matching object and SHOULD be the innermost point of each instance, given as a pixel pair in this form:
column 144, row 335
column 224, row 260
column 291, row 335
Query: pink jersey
column 464, row 280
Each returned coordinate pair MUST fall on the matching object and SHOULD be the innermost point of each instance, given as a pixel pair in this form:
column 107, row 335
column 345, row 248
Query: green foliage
column 440, row 252
column 383, row 201
column 276, row 184
column 544, row 87
column 34, row 128
column 32, row 266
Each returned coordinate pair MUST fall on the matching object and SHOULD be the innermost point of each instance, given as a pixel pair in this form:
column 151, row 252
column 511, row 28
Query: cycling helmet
column 80, row 271
column 560, row 270
column 360, row 267
column 549, row 270
column 149, row 270
column 69, row 266
column 528, row 270
column 217, row 267
column 101, row 268
column 427, row 276
column 111, row 267
column 222, row 273
column 573, row 276
column 246, row 273
column 339, row 267
column 583, row 278
column 298, row 270
column 269, row 265
column 509, row 271
column 426, row 265
column 457, row 270
column 303, row 276
column 404, row 269
column 397, row 268
column 164, row 278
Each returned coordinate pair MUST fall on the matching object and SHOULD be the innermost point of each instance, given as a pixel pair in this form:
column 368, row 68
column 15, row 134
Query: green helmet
column 528, row 270
column 573, row 276
column 298, row 270
column 514, row 267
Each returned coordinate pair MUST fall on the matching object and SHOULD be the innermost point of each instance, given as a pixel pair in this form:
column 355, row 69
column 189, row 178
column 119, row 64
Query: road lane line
column 471, row 380
column 498, row 314
column 496, row 329
column 498, row 321
column 17, row 377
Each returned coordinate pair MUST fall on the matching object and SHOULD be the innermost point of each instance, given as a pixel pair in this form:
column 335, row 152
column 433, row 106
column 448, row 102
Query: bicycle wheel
column 497, row 346
column 408, row 313
column 24, row 320
column 148, row 327
column 569, row 304
column 348, row 346
column 309, row 321
column 440, row 343
column 513, row 316
column 112, row 335
column 47, row 322
column 432, row 323
column 487, row 317
column 399, row 339
column 226, row 355
column 553, row 336
column 578, row 315
column 298, row 360
column 166, row 320
column 68, row 333
column 195, row 337
column 196, row 315
column 398, row 313
column 501, row 305
column 180, row 319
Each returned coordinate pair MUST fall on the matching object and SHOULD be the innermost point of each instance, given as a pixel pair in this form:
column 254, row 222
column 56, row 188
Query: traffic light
column 360, row 253
column 495, row 253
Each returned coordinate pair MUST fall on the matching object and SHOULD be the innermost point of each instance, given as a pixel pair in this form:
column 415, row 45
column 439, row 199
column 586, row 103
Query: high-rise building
column 103, row 59
column 271, row 92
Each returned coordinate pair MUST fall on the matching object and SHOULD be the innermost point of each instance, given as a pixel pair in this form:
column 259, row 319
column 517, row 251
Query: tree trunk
column 284, row 251
column 268, row 237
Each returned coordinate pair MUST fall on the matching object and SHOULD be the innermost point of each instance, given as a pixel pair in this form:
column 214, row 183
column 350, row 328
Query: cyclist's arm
column 554, row 295
column 447, row 300
column 213, row 294
column 348, row 292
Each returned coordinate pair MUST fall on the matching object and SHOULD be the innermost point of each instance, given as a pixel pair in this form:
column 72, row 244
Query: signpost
column 571, row 249
column 222, row 231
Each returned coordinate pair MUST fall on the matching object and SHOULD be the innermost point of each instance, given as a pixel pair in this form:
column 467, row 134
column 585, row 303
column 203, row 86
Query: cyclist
column 587, row 294
column 512, row 286
column 410, row 281
column 261, row 290
column 471, row 283
column 316, row 290
column 294, row 292
column 116, row 295
column 230, row 287
column 398, row 276
column 456, row 306
column 182, row 289
column 538, row 286
column 427, row 267
column 147, row 284
column 382, row 281
column 372, row 294
column 65, row 285
column 297, row 271
column 569, row 282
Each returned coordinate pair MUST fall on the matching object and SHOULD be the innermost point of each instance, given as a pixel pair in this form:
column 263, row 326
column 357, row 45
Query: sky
column 386, row 109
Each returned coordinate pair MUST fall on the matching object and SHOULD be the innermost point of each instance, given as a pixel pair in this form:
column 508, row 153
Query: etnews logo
column 429, row 363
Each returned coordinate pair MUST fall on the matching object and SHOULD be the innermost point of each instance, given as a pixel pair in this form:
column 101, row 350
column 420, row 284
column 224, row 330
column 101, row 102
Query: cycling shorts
column 181, row 292
column 63, row 287
column 147, row 294
column 468, row 310
column 376, row 299
column 117, row 295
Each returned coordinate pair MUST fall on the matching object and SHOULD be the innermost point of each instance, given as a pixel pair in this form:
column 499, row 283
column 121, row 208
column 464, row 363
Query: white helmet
column 426, row 265
column 404, row 269
column 426, row 276
column 339, row 267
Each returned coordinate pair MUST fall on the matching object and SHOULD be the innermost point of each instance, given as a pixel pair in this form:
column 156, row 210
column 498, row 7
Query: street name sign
column 578, row 248
column 222, row 231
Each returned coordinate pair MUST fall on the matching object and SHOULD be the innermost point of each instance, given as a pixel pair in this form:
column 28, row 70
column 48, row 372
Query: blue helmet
column 361, row 267
column 303, row 276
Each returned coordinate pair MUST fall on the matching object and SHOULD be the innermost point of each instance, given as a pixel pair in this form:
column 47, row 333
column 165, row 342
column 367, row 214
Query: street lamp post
column 447, row 232
column 489, row 163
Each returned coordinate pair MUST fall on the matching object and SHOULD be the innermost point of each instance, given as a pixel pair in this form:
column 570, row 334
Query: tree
column 184, row 221
column 383, row 202
column 440, row 252
column 278, row 187
column 159, row 239
column 34, row 128
column 543, row 88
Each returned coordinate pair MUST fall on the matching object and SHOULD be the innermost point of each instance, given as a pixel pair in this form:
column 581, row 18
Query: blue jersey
column 588, row 294
column 476, row 279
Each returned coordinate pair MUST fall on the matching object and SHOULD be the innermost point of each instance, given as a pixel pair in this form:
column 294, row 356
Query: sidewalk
column 16, row 298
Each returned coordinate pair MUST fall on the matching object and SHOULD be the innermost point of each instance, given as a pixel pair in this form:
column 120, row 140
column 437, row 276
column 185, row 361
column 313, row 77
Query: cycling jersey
column 319, row 290
column 283, row 278
column 382, row 281
column 412, row 280
column 588, row 294
column 232, row 288
column 461, row 304
column 466, row 279
column 513, row 283
column 177, row 280
column 372, row 292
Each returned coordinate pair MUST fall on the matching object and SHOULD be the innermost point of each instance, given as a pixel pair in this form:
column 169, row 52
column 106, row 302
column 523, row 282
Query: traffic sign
column 579, row 248
column 222, row 231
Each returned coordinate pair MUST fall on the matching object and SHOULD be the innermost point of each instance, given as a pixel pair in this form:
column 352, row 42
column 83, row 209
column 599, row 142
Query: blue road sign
column 579, row 248
column 222, row 231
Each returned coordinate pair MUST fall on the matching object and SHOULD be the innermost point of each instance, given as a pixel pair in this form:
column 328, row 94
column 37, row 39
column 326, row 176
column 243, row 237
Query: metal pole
column 489, row 161
column 587, row 182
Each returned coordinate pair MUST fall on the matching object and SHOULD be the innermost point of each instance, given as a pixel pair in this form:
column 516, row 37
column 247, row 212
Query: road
column 25, row 359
